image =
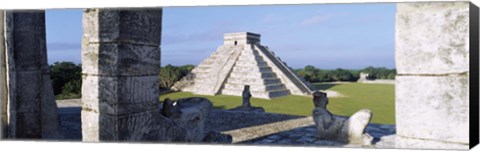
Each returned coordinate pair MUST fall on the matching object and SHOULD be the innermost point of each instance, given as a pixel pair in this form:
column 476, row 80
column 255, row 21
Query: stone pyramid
column 240, row 61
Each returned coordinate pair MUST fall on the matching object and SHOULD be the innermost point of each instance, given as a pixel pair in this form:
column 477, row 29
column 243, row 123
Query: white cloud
column 316, row 19
column 271, row 18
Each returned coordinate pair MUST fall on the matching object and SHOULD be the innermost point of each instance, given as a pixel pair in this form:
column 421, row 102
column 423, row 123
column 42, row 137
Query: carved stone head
column 246, row 88
column 169, row 109
column 320, row 99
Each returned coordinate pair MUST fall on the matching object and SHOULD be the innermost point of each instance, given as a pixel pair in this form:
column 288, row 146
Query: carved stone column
column 3, row 79
column 120, row 66
column 32, row 111
column 432, row 57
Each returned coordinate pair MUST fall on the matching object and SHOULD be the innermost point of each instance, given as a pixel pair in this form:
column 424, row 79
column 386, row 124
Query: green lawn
column 379, row 98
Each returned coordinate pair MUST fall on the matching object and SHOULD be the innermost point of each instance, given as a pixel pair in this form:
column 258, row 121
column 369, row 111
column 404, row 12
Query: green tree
column 168, row 76
column 184, row 70
column 340, row 74
column 66, row 75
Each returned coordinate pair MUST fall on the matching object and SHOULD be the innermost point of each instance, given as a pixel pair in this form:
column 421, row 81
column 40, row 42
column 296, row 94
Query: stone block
column 29, row 21
column 114, row 59
column 28, row 91
column 433, row 108
column 27, row 50
column 144, row 126
column 28, row 125
column 90, row 126
column 138, row 26
column 432, row 38
column 120, row 95
column 405, row 142
column 28, row 112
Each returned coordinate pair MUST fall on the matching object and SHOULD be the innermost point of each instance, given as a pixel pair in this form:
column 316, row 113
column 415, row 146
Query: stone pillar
column 27, row 44
column 120, row 66
column 10, row 75
column 32, row 110
column 3, row 80
column 432, row 84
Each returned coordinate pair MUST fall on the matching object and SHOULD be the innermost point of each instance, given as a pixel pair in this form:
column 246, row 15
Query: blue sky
column 328, row 36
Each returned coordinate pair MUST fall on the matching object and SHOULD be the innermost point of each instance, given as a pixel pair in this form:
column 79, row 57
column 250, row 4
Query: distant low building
column 365, row 79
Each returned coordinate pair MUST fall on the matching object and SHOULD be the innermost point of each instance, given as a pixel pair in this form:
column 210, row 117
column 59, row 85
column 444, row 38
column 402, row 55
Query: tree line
column 67, row 76
column 314, row 75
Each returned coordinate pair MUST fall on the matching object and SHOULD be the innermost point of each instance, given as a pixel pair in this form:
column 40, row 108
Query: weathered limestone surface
column 407, row 142
column 240, row 61
column 3, row 79
column 32, row 108
column 292, row 81
column 11, row 76
column 435, row 108
column 432, row 38
column 432, row 85
column 120, row 63
column 345, row 130
column 194, row 114
column 120, row 89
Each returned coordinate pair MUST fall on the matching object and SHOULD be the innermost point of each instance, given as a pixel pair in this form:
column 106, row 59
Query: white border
column 56, row 4
column 67, row 146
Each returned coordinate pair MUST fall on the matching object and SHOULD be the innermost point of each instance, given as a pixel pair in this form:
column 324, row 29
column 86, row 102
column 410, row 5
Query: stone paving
column 250, row 128
column 306, row 136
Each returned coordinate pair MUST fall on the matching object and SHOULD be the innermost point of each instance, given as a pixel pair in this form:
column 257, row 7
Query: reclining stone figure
column 346, row 130
column 192, row 114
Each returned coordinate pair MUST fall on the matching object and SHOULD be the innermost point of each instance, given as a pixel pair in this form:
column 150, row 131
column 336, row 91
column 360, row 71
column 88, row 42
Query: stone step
column 253, row 80
column 197, row 71
column 250, row 58
column 202, row 68
column 249, row 55
column 243, row 64
column 250, row 52
column 279, row 93
column 259, row 94
column 252, row 69
column 199, row 76
column 268, row 87
column 251, row 63
column 253, row 75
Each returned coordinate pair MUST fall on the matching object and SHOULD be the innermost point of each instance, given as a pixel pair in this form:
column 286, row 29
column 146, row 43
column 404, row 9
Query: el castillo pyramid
column 242, row 60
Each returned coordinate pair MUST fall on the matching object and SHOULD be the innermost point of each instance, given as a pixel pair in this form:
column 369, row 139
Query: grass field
column 379, row 98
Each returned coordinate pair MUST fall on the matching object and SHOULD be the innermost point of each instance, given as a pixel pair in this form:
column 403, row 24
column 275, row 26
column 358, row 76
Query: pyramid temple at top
column 240, row 61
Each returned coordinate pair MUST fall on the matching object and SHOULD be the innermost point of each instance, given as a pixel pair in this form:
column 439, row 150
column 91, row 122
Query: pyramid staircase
column 251, row 69
column 243, row 61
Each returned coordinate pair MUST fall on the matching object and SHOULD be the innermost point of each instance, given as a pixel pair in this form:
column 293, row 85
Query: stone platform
column 247, row 128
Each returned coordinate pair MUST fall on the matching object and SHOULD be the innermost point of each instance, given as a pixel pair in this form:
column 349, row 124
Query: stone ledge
column 410, row 143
